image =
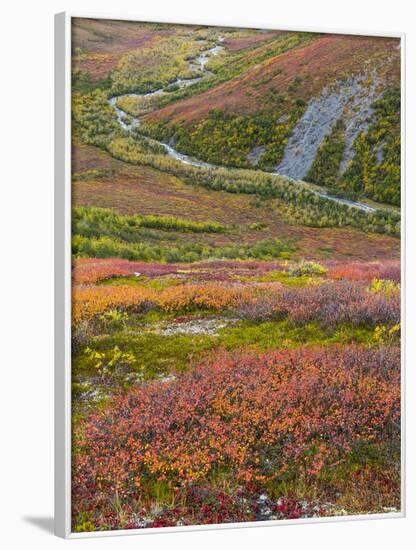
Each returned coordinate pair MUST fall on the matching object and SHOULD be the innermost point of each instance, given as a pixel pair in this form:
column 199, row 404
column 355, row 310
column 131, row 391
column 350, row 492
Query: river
column 129, row 123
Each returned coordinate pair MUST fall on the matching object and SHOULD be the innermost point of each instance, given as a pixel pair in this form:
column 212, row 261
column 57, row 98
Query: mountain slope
column 278, row 114
column 302, row 72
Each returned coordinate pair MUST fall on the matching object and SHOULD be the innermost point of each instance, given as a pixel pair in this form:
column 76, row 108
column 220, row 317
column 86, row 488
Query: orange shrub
column 89, row 301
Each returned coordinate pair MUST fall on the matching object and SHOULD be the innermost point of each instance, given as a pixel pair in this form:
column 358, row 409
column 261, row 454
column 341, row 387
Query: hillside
column 302, row 72
column 100, row 44
column 279, row 114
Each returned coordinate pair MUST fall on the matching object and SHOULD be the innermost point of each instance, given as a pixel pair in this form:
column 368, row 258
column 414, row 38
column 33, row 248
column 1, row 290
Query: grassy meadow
column 235, row 329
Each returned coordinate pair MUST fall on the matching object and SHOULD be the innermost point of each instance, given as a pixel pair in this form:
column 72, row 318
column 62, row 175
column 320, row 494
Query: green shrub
column 307, row 269
column 113, row 319
column 226, row 139
column 384, row 286
column 375, row 169
column 98, row 222
column 109, row 364
column 108, row 247
column 325, row 167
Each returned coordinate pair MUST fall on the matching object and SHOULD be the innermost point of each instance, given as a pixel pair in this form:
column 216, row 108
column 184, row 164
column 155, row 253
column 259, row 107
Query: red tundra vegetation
column 246, row 419
column 246, row 366
column 322, row 60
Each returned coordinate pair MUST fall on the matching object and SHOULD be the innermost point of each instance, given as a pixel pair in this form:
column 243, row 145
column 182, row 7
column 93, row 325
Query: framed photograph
column 228, row 276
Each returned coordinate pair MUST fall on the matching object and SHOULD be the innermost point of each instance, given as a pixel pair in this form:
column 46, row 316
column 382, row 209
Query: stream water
column 130, row 124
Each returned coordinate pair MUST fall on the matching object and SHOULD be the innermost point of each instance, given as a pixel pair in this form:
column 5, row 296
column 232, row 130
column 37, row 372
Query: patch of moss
column 281, row 277
column 154, row 354
column 272, row 335
column 157, row 354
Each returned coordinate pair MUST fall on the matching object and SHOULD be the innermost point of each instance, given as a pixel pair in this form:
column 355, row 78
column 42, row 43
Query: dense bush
column 308, row 269
column 227, row 139
column 325, row 167
column 81, row 82
column 384, row 286
column 328, row 304
column 344, row 302
column 94, row 120
column 365, row 271
column 90, row 301
column 96, row 222
column 93, row 270
column 148, row 251
column 261, row 309
column 375, row 169
column 247, row 416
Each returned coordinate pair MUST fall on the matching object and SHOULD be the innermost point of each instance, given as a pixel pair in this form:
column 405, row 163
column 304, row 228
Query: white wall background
column 26, row 306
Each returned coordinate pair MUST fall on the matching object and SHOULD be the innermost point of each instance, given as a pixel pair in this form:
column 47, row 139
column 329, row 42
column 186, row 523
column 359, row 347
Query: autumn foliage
column 92, row 270
column 256, row 417
column 365, row 271
column 235, row 334
column 242, row 436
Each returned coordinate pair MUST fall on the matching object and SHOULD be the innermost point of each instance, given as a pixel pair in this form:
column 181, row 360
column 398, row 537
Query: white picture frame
column 63, row 284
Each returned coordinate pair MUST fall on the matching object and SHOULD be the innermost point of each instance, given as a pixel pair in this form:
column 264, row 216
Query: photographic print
column 235, row 338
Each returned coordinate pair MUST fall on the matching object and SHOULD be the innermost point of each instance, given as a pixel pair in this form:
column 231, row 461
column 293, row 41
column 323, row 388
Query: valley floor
column 102, row 181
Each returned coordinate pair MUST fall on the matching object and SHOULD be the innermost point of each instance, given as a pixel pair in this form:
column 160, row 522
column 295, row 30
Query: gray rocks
column 256, row 153
column 196, row 326
column 350, row 99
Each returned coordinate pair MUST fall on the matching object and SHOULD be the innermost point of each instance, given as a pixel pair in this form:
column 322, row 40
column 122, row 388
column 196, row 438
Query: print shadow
column 44, row 523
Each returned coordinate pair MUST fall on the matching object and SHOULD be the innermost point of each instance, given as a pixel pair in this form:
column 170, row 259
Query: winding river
column 130, row 124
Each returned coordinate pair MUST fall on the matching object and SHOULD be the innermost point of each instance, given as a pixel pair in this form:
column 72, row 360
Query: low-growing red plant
column 330, row 304
column 365, row 271
column 92, row 270
column 341, row 302
column 256, row 418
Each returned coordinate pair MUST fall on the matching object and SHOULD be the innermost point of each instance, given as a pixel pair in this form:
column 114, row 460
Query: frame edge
column 61, row 307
